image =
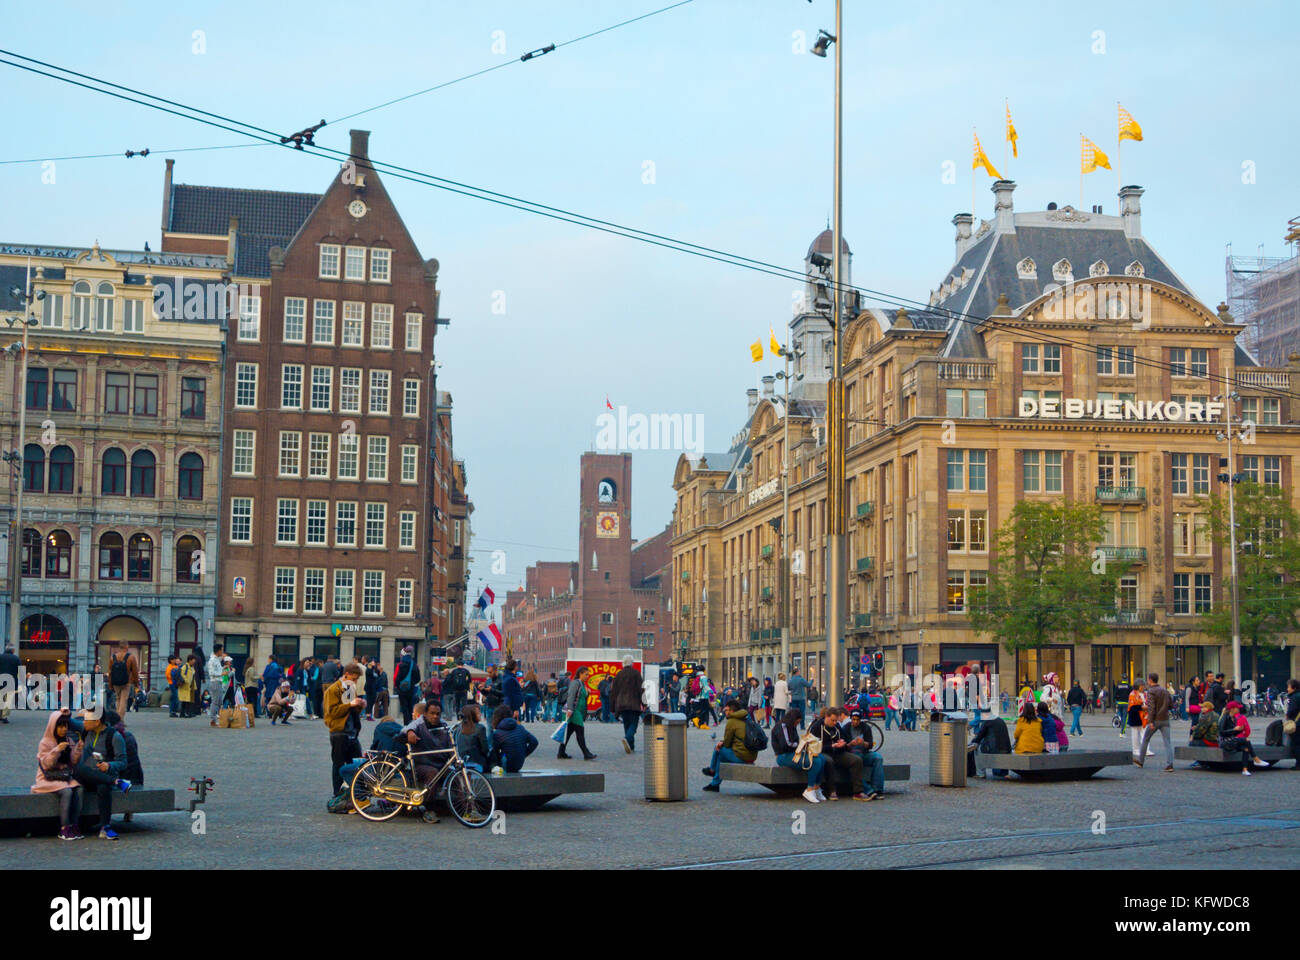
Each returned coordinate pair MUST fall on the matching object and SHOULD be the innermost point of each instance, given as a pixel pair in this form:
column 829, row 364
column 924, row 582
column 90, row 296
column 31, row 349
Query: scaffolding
column 1264, row 295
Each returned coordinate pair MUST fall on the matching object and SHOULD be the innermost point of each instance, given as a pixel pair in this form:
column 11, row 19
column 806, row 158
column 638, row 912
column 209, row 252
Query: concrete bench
column 1071, row 765
column 22, row 811
column 530, row 789
column 1213, row 758
column 787, row 782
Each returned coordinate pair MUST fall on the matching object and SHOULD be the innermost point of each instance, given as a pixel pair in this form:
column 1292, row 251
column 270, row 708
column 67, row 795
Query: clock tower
column 605, row 550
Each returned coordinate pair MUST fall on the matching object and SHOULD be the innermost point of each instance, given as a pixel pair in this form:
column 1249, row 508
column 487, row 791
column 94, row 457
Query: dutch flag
column 486, row 598
column 490, row 637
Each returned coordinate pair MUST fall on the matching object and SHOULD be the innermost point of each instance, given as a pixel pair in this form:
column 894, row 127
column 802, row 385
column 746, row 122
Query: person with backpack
column 532, row 695
column 626, row 692
column 272, row 675
column 407, row 677
column 123, row 675
column 790, row 752
column 732, row 748
column 100, row 764
column 512, row 692
column 457, row 685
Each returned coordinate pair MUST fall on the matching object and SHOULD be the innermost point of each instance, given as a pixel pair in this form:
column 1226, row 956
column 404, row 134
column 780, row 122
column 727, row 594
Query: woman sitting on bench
column 1234, row 735
column 1028, row 735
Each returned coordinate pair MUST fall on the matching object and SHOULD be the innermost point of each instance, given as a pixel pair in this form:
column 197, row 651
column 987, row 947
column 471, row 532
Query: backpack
column 552, row 688
column 1273, row 734
column 458, row 679
column 755, row 738
column 404, row 685
column 118, row 675
column 695, row 686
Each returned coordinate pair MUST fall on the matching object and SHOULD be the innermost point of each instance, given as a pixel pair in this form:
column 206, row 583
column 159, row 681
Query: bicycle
column 381, row 789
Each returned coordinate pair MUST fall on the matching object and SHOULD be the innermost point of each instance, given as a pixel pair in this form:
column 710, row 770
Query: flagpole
column 1006, row 139
column 1081, row 171
column 972, row 176
column 1119, row 153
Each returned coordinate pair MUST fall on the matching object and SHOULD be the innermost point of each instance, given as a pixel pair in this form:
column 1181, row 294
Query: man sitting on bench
column 731, row 749
column 862, row 742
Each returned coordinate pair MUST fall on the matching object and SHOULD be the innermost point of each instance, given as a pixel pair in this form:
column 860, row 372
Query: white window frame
column 295, row 308
column 406, row 530
column 318, row 511
column 326, row 383
column 410, row 471
column 376, row 389
column 315, row 451
column 380, row 517
column 323, row 315
column 242, row 382
column 286, row 578
column 249, row 446
column 359, row 275
column 381, row 326
column 405, row 597
column 414, row 326
column 349, row 454
column 410, row 392
column 250, row 318
column 308, row 574
column 377, row 458
column 290, row 453
column 345, row 580
column 241, row 509
column 329, row 261
column 285, row 516
column 286, row 381
column 342, row 507
column 381, row 265
column 370, row 588
column 350, row 390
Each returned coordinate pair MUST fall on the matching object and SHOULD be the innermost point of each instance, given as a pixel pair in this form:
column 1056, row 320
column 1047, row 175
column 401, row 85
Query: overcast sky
column 702, row 123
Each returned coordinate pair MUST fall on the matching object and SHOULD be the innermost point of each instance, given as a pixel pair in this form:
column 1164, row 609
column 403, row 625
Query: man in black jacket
column 838, row 756
column 8, row 681
column 1218, row 694
column 1075, row 700
column 992, row 738
column 407, row 677
column 627, row 692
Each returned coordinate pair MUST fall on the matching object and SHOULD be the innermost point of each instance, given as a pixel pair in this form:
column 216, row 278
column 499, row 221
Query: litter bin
column 947, row 750
column 665, row 756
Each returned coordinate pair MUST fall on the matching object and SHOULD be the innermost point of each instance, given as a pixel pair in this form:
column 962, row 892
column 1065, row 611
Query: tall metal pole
column 16, row 528
column 1232, row 543
column 785, row 524
column 836, row 579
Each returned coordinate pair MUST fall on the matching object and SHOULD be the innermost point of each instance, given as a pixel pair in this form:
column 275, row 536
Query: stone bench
column 788, row 782
column 1214, row 758
column 1071, row 765
column 22, row 811
column 530, row 789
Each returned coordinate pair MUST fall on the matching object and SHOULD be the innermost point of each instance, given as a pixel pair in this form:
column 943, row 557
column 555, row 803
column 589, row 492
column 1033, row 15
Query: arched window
column 63, row 470
column 190, row 478
column 113, row 474
column 33, row 468
column 33, row 547
column 110, row 556
column 143, row 468
column 58, row 555
column 104, row 307
column 81, row 305
column 139, row 558
column 187, row 561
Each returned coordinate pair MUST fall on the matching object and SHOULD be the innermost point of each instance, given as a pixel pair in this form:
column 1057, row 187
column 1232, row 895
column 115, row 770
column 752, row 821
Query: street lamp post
column 16, row 458
column 1226, row 434
column 785, row 512
column 836, row 575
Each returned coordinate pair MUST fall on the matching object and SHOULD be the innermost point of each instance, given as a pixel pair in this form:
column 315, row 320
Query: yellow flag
column 1128, row 127
column 756, row 350
column 1011, row 133
column 980, row 159
column 1090, row 156
column 776, row 346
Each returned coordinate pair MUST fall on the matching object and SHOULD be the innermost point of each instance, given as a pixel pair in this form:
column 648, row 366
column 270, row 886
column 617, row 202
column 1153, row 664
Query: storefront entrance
column 1033, row 663
column 43, row 644
column 1110, row 664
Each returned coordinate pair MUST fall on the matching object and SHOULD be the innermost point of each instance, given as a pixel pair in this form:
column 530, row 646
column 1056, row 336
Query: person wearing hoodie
column 1234, row 736
column 132, row 771
column 386, row 735
column 511, row 743
column 731, row 748
column 57, row 756
column 626, row 694
column 100, row 764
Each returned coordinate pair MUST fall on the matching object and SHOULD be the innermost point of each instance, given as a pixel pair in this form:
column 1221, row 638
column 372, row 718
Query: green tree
column 1047, row 585
column 1268, row 569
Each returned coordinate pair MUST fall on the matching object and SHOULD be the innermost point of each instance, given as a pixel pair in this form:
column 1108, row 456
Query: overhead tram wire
column 568, row 216
column 507, row 63
column 119, row 154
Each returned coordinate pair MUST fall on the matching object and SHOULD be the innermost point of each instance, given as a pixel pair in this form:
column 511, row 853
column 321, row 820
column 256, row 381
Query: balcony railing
column 966, row 370
column 865, row 510
column 1264, row 378
column 1125, row 554
column 1122, row 494
column 1129, row 617
column 766, row 552
column 865, row 564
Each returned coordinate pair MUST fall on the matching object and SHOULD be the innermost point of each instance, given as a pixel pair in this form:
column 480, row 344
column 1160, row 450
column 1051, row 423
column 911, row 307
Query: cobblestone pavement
column 272, row 783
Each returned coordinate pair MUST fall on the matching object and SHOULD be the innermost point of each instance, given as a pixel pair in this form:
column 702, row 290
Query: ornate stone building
column 121, row 463
column 1060, row 357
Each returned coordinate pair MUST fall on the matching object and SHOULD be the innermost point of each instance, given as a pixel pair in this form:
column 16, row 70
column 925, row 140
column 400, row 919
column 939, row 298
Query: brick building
column 616, row 594
column 331, row 506
column 121, row 462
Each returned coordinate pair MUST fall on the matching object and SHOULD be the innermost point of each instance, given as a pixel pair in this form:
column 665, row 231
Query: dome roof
column 824, row 242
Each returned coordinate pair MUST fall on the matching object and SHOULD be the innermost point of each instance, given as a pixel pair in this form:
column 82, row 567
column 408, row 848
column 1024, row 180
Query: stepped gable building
column 329, row 546
column 617, row 594
column 1059, row 357
column 120, row 466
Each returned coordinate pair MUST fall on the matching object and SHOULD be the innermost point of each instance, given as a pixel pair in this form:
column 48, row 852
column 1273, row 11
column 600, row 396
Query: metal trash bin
column 947, row 750
column 665, row 756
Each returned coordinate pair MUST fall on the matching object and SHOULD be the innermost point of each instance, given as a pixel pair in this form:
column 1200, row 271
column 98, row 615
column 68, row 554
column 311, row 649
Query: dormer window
column 1099, row 269
column 1026, row 269
column 1061, row 270
column 1135, row 269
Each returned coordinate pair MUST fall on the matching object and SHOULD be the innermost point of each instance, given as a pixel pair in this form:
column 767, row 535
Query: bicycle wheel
column 378, row 773
column 877, row 736
column 470, row 797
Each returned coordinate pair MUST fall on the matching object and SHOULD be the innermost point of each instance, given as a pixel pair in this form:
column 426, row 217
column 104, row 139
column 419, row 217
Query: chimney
column 1130, row 209
column 1004, row 219
column 752, row 395
column 769, row 387
column 963, row 223
column 167, row 196
column 360, row 144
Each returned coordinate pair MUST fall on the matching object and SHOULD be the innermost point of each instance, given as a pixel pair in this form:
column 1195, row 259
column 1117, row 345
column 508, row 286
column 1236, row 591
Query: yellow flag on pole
column 776, row 346
column 756, row 350
column 980, row 159
column 1011, row 133
column 1090, row 156
column 1128, row 127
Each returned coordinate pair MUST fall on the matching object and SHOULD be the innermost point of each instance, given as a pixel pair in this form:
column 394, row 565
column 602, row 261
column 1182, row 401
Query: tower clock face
column 607, row 523
column 357, row 208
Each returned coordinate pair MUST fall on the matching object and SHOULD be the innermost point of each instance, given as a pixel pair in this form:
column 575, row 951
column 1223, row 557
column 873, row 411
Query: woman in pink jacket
column 56, row 756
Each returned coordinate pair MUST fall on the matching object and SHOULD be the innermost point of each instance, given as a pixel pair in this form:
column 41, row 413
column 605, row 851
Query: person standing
column 798, row 686
column 768, row 691
column 1292, row 716
column 213, row 673
column 674, row 689
column 407, row 677
column 123, row 675
column 272, row 675
column 754, row 703
column 1075, row 700
column 626, row 693
column 187, row 692
column 250, row 686
column 512, row 694
column 1135, row 718
column 532, row 695
column 575, row 713
column 604, row 691
column 9, row 664
column 780, row 698
column 173, row 677
column 336, row 712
